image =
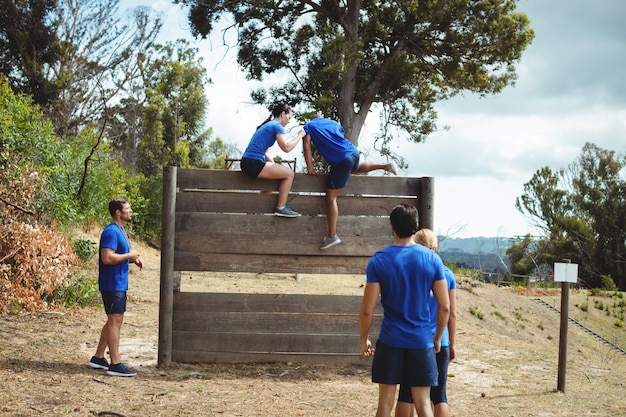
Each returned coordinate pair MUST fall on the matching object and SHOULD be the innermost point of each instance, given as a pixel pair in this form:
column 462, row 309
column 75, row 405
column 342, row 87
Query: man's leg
column 371, row 166
column 386, row 397
column 110, row 336
column 421, row 399
column 332, row 211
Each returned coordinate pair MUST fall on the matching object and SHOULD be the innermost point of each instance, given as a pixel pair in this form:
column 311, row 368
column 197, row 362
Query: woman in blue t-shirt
column 257, row 163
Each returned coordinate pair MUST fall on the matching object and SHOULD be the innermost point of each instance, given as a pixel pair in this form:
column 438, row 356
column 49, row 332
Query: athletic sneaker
column 120, row 369
column 330, row 241
column 98, row 363
column 286, row 212
column 391, row 167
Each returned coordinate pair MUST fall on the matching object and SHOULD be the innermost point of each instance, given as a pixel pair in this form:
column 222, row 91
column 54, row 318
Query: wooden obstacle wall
column 218, row 220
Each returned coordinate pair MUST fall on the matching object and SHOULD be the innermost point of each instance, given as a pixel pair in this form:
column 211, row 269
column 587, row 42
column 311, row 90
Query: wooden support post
column 426, row 207
column 166, row 299
column 560, row 385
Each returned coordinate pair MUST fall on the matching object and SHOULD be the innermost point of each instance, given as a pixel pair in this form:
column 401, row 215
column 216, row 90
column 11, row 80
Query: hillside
column 506, row 365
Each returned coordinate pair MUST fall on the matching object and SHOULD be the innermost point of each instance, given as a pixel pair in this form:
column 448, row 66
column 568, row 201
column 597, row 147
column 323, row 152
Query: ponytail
column 265, row 121
column 276, row 111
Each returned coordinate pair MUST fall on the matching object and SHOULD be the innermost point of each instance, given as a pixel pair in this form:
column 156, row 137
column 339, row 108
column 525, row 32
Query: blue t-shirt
column 113, row 277
column 451, row 281
column 328, row 137
column 263, row 139
column 406, row 275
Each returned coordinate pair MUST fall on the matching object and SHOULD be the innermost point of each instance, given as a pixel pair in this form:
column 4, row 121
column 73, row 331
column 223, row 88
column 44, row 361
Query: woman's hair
column 403, row 220
column 276, row 111
column 426, row 237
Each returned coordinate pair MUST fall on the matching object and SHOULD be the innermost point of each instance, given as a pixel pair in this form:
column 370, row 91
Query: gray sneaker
column 286, row 212
column 330, row 241
column 391, row 167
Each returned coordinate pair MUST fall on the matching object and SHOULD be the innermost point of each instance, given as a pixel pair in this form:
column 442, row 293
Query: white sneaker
column 330, row 241
column 391, row 167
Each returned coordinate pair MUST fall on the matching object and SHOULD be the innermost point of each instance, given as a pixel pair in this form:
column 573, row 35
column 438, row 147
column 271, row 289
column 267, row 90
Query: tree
column 174, row 115
column 28, row 44
column 344, row 58
column 100, row 62
column 582, row 210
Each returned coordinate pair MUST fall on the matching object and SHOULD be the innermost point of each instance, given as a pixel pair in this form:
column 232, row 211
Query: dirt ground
column 507, row 361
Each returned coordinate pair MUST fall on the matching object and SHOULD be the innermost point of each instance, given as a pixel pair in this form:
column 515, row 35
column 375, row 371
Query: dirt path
column 507, row 362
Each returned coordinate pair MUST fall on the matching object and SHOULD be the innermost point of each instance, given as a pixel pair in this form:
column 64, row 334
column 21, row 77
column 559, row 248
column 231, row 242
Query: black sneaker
column 98, row 363
column 120, row 369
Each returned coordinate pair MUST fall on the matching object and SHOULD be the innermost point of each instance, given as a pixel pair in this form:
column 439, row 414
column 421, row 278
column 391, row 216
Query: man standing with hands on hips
column 114, row 261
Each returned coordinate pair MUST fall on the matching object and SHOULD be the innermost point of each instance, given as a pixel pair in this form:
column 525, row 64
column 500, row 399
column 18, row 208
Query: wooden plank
column 237, row 180
column 289, row 264
column 265, row 342
column 283, row 303
column 306, row 205
column 271, row 235
column 185, row 356
column 251, row 322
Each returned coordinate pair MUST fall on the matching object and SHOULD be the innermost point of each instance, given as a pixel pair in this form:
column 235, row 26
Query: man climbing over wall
column 344, row 159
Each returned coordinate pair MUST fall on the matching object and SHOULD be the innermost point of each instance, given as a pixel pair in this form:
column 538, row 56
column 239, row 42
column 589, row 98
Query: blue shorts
column 340, row 173
column 438, row 393
column 252, row 167
column 114, row 302
column 415, row 367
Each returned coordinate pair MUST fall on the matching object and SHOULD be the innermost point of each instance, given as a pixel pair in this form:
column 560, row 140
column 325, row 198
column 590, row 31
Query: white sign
column 565, row 272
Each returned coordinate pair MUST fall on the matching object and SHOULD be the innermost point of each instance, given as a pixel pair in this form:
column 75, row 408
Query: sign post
column 564, row 273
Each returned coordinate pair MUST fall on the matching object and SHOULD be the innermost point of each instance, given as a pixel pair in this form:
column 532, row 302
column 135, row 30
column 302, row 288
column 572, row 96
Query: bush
column 79, row 291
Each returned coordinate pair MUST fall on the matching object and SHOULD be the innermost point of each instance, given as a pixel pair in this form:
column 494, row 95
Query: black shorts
column 114, row 302
column 437, row 394
column 252, row 167
column 340, row 173
column 414, row 367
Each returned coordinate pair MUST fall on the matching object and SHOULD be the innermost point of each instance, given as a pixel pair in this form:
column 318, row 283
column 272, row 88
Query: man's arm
column 110, row 257
column 308, row 155
column 366, row 314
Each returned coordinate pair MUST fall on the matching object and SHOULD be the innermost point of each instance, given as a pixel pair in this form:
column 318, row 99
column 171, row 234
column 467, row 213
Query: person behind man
column 115, row 256
column 344, row 159
column 438, row 396
column 257, row 163
column 404, row 274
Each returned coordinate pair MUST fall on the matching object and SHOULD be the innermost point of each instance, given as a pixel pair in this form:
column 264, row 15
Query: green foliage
column 619, row 323
column 145, row 194
column 29, row 47
column 85, row 249
column 607, row 283
column 78, row 291
column 474, row 311
column 582, row 211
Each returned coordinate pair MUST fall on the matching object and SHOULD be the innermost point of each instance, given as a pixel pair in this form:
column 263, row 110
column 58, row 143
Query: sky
column 570, row 90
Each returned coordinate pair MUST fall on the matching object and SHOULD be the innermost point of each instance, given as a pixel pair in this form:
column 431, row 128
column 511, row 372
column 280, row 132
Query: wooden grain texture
column 224, row 222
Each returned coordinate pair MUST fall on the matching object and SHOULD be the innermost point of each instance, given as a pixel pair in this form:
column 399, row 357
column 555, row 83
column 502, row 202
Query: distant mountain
column 475, row 244
column 484, row 253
